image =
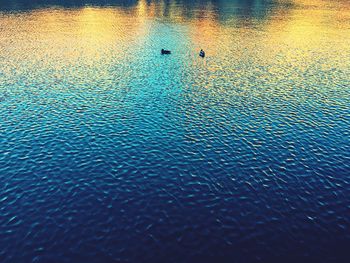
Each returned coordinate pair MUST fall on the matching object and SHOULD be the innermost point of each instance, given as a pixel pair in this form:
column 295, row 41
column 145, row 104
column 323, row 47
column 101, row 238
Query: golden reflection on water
column 91, row 32
column 263, row 54
column 57, row 38
column 306, row 34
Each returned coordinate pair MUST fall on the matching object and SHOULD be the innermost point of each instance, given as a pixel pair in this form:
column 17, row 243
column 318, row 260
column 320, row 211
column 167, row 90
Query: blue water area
column 112, row 152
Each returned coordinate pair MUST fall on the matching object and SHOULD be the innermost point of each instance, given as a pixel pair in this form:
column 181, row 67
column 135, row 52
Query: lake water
column 111, row 152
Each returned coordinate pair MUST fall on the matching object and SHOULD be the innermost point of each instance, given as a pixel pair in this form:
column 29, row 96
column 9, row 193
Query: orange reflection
column 306, row 32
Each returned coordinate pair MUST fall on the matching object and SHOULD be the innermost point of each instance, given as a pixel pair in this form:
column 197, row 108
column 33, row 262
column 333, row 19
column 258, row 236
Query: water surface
column 110, row 152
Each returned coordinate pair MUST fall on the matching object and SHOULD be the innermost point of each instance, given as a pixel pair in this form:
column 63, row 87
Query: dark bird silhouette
column 163, row 51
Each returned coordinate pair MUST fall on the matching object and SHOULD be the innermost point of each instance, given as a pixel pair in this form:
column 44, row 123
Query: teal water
column 111, row 152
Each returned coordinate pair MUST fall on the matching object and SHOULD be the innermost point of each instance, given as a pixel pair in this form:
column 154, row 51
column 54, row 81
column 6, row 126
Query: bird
column 164, row 51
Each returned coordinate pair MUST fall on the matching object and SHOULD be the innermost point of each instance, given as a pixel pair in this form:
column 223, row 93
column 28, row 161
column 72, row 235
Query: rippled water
column 110, row 152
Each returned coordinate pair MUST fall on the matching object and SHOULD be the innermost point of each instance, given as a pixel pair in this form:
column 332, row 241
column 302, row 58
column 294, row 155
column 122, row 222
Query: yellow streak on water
column 88, row 33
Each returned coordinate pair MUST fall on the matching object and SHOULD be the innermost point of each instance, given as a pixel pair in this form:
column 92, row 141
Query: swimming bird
column 163, row 51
